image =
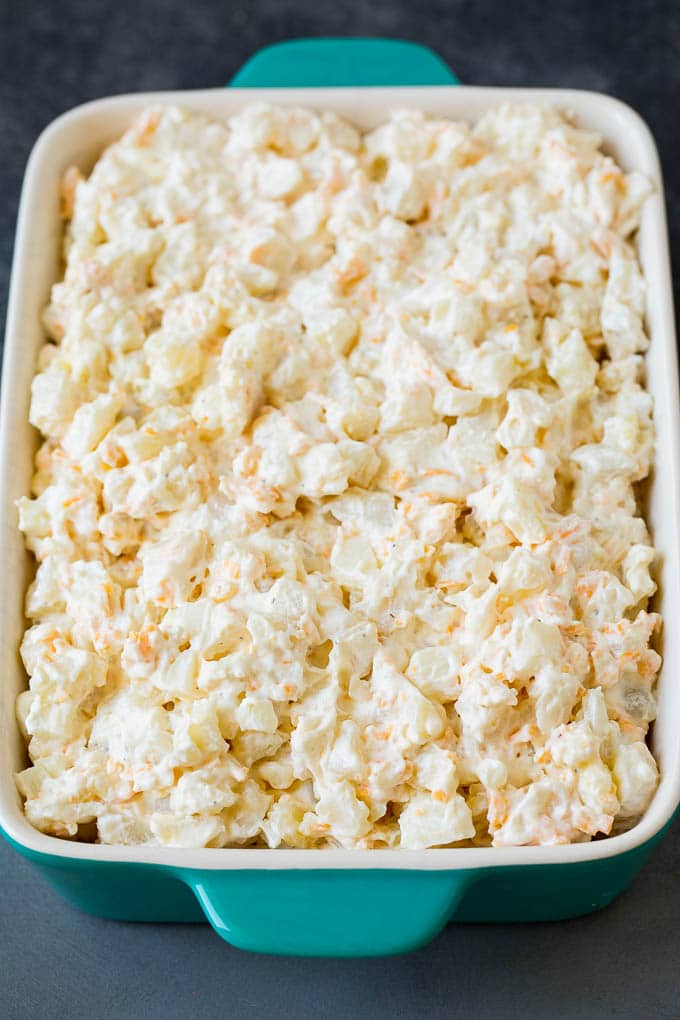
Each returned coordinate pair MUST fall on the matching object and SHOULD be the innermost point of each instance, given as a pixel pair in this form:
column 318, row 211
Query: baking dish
column 330, row 902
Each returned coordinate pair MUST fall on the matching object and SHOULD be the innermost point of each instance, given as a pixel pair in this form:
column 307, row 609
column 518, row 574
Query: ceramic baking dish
column 330, row 902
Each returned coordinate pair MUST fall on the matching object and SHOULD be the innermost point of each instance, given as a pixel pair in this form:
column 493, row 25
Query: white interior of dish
column 78, row 138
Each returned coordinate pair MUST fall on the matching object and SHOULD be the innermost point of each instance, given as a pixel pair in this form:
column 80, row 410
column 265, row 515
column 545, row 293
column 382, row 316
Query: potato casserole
column 337, row 513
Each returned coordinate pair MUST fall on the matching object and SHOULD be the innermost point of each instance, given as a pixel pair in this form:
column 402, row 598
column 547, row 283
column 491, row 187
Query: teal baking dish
column 327, row 902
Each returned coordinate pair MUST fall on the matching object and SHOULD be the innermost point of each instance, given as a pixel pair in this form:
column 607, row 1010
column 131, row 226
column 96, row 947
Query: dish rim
column 119, row 109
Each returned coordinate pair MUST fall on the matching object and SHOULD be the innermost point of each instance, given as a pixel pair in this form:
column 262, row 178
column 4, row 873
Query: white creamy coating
column 335, row 515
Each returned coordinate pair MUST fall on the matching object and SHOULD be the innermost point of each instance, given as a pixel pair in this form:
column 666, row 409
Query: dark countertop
column 623, row 962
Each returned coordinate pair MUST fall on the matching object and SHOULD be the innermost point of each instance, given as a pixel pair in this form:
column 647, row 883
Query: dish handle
column 344, row 913
column 316, row 63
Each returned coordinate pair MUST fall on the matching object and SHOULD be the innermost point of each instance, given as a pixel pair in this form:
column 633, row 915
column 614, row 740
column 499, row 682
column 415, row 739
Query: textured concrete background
column 624, row 962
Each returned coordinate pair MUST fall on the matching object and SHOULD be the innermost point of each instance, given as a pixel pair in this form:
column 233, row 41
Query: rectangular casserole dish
column 331, row 902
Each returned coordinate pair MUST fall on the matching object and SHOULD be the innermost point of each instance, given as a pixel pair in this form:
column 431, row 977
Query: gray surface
column 57, row 963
